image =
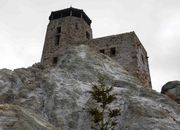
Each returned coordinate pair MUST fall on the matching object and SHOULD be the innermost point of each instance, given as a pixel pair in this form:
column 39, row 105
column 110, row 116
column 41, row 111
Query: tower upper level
column 70, row 24
column 70, row 12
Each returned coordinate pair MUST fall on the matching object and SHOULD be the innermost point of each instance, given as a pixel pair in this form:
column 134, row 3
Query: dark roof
column 66, row 12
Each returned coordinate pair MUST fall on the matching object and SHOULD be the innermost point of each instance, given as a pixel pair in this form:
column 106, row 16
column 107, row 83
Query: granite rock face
column 38, row 98
column 172, row 90
column 13, row 117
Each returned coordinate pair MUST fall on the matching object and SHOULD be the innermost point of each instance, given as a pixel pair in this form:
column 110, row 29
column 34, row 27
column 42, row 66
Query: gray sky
column 156, row 22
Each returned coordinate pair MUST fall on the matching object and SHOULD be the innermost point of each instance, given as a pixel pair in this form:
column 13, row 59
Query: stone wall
column 143, row 72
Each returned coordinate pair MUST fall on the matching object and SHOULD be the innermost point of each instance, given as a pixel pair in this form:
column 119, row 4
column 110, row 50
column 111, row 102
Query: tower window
column 113, row 51
column 55, row 60
column 87, row 35
column 58, row 30
column 142, row 59
column 57, row 39
column 102, row 51
column 76, row 26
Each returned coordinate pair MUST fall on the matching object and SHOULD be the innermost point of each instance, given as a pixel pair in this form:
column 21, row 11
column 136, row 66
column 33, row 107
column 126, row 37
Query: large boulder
column 172, row 90
column 59, row 95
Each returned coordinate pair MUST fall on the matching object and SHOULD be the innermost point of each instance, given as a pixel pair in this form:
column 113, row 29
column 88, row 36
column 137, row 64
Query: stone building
column 71, row 26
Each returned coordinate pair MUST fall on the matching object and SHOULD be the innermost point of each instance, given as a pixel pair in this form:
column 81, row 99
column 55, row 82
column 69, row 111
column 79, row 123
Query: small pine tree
column 103, row 115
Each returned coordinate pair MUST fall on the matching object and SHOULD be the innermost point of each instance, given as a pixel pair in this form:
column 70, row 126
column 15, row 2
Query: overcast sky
column 156, row 22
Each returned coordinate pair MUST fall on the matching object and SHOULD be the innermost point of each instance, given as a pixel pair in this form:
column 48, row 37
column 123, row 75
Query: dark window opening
column 58, row 29
column 113, row 51
column 76, row 26
column 57, row 40
column 142, row 59
column 134, row 57
column 87, row 35
column 55, row 60
column 102, row 51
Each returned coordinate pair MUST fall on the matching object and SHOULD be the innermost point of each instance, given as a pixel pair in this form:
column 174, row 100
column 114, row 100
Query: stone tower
column 65, row 27
column 72, row 26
